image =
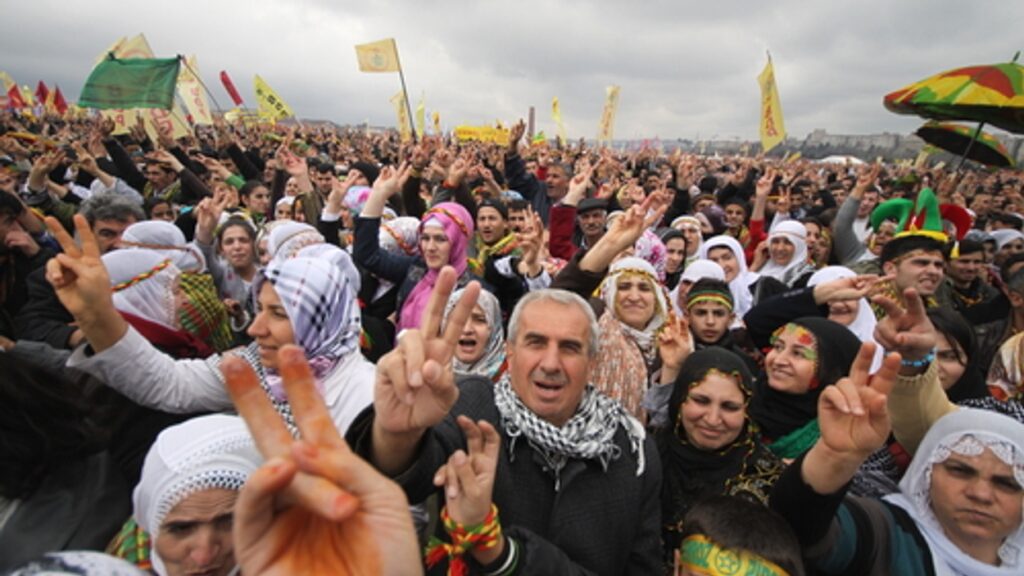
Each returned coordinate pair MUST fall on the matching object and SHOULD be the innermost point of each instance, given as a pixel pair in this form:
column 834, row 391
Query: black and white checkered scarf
column 589, row 434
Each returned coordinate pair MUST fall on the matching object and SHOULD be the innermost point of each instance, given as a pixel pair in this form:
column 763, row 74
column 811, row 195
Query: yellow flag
column 794, row 157
column 556, row 115
column 437, row 122
column 402, row 113
column 379, row 56
column 27, row 96
column 607, row 125
column 7, row 80
column 773, row 131
column 421, row 117
column 271, row 106
column 192, row 93
column 922, row 156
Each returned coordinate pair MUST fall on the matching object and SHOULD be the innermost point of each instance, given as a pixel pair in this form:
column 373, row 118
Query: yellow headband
column 699, row 554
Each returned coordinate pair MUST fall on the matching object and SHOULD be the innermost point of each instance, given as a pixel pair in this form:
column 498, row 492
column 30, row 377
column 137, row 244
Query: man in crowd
column 577, row 484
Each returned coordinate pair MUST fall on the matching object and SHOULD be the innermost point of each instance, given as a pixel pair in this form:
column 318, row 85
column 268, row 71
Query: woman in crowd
column 635, row 309
column 234, row 239
column 444, row 237
column 694, row 271
column 835, row 292
column 184, row 502
column 690, row 227
column 481, row 349
column 709, row 446
column 787, row 258
column 747, row 287
column 305, row 301
column 675, row 255
column 958, row 510
column 806, row 356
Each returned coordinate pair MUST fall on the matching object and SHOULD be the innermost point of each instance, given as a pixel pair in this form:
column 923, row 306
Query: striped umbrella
column 991, row 94
column 966, row 141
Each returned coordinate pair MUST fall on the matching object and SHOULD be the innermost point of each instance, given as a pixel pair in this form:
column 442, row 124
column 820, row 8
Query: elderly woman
column 444, row 237
column 184, row 502
column 635, row 308
column 481, row 347
column 958, row 510
column 710, row 446
column 305, row 301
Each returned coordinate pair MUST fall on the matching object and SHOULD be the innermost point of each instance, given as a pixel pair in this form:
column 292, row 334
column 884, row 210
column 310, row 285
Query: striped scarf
column 202, row 314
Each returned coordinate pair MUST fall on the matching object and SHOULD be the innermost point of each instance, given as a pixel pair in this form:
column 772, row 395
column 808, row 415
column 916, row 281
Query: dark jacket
column 599, row 522
column 43, row 318
column 527, row 184
column 14, row 274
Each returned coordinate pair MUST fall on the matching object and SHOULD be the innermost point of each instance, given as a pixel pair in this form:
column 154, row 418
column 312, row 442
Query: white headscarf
column 690, row 222
column 203, row 453
column 966, row 431
column 740, row 285
column 166, row 239
column 286, row 239
column 796, row 234
column 1005, row 236
column 863, row 325
column 494, row 352
column 143, row 282
column 695, row 271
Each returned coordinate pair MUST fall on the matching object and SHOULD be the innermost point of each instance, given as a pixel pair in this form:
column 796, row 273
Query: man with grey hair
column 573, row 477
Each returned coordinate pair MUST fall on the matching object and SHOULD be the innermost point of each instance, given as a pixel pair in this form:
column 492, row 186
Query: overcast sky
column 686, row 69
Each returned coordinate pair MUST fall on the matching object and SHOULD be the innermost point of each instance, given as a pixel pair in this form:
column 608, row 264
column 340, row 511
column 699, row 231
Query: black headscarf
column 778, row 413
column 743, row 468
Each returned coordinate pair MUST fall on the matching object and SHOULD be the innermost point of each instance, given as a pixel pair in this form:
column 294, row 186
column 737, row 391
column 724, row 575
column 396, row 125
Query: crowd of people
column 289, row 349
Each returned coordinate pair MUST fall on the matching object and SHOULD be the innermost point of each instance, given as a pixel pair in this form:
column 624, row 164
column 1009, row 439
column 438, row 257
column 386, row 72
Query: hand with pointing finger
column 907, row 331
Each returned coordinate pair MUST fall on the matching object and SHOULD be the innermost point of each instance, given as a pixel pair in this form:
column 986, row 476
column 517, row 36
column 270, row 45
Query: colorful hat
column 926, row 218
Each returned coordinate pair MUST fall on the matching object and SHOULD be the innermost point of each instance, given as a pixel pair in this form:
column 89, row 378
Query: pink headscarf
column 458, row 227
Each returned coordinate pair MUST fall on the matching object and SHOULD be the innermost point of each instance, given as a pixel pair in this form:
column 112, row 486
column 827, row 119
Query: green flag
column 131, row 83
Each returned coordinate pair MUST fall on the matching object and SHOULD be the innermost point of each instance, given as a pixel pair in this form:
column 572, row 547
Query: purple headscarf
column 458, row 227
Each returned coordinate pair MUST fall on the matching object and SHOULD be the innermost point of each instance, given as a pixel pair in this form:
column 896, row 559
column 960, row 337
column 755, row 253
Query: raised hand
column 852, row 415
column 457, row 171
column 765, row 183
column 515, row 135
column 314, row 507
column 674, row 345
column 415, row 385
column 531, row 241
column 905, row 330
column 847, row 288
column 468, row 480
column 165, row 157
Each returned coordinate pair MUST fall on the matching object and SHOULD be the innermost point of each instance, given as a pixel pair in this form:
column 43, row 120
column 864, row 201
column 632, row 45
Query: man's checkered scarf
column 589, row 434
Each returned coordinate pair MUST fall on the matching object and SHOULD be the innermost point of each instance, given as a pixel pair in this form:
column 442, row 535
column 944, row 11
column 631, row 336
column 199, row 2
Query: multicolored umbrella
column 992, row 94
column 968, row 141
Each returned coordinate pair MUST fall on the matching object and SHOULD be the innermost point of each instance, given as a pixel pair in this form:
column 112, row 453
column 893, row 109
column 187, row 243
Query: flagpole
column 405, row 92
column 201, row 83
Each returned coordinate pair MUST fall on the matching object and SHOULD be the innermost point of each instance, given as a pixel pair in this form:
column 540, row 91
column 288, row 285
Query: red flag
column 14, row 99
column 42, row 93
column 58, row 101
column 230, row 87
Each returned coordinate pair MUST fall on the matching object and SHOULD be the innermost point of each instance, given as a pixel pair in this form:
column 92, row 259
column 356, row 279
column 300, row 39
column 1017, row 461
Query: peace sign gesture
column 415, row 385
column 907, row 331
column 854, row 421
column 314, row 507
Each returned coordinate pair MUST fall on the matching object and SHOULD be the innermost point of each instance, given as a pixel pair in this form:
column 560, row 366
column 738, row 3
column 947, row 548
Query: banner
column 14, row 99
column 271, row 107
column 421, row 117
column 402, row 113
column 773, row 131
column 556, row 115
column 607, row 125
column 192, row 94
column 482, row 134
column 922, row 156
column 131, row 83
column 42, row 93
column 380, row 56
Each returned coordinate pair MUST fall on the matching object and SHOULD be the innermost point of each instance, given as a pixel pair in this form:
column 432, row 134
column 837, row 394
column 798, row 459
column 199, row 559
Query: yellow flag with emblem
column 379, row 56
column 192, row 93
column 270, row 105
column 421, row 116
column 773, row 130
